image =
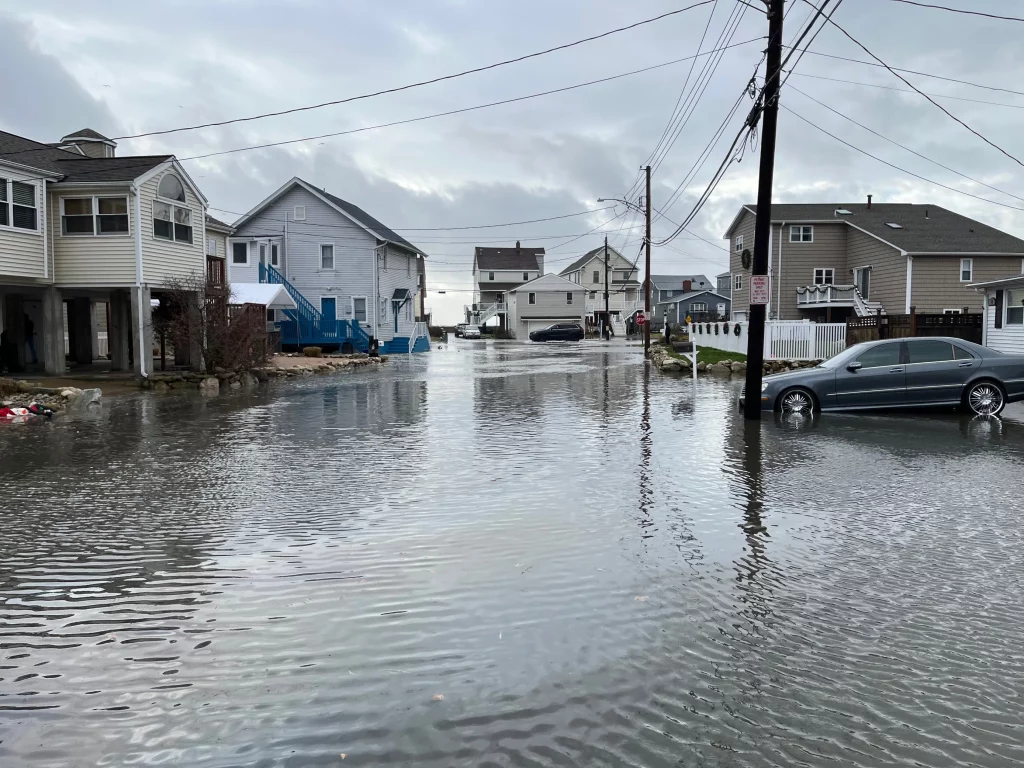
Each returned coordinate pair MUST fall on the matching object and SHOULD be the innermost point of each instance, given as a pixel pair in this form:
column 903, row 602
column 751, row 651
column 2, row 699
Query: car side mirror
column 854, row 366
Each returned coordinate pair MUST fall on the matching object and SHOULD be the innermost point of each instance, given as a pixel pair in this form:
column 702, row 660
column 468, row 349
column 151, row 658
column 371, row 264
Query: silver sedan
column 901, row 373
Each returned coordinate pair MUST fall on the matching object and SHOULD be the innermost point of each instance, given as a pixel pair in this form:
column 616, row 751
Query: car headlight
column 764, row 387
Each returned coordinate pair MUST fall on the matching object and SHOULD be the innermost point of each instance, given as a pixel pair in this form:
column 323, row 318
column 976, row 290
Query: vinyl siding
column 92, row 261
column 936, row 281
column 799, row 260
column 888, row 281
column 616, row 263
column 220, row 244
column 744, row 228
column 1008, row 339
column 354, row 250
column 551, row 305
column 22, row 251
column 400, row 273
column 163, row 260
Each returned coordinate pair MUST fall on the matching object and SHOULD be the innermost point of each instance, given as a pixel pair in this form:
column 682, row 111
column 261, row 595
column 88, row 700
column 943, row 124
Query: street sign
column 640, row 319
column 759, row 290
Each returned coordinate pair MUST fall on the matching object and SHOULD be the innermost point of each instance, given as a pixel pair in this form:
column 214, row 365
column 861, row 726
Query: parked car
column 459, row 329
column 471, row 332
column 559, row 332
column 901, row 373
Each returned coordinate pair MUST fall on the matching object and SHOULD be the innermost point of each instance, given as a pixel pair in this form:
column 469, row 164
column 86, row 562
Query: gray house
column 351, row 276
column 496, row 271
column 724, row 285
column 544, row 301
column 830, row 261
column 699, row 306
column 665, row 287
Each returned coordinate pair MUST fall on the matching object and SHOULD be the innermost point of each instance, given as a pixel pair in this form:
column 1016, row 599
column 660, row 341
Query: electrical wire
column 949, row 114
column 907, row 90
column 959, row 10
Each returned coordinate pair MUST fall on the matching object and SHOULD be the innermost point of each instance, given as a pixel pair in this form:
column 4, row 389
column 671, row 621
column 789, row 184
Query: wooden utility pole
column 763, row 222
column 647, row 270
column 606, row 325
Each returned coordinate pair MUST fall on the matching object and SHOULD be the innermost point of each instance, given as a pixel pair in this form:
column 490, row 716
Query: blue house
column 351, row 277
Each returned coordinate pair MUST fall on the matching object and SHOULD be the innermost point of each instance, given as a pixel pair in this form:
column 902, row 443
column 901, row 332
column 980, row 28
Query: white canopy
column 270, row 295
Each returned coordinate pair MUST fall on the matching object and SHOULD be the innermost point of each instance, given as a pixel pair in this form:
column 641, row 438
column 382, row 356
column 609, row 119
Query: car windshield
column 472, row 328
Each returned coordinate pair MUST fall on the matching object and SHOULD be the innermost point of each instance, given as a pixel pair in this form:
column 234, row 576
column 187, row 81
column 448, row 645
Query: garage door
column 536, row 325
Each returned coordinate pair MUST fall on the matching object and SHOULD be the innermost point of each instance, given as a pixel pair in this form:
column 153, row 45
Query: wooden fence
column 964, row 326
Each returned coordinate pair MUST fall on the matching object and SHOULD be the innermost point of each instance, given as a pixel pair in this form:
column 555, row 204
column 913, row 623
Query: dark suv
column 559, row 332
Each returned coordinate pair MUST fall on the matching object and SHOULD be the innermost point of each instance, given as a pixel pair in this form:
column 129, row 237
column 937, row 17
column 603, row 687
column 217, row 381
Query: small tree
column 200, row 317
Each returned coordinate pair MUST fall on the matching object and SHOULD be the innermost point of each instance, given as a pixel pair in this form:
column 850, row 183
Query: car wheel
column 985, row 398
column 796, row 401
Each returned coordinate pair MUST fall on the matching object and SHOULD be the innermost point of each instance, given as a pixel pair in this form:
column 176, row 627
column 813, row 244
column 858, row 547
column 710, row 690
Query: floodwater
column 501, row 555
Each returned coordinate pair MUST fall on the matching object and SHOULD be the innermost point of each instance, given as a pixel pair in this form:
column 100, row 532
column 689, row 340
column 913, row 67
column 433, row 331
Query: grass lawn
column 709, row 355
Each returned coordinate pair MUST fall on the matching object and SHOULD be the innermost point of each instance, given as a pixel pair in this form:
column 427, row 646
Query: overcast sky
column 137, row 67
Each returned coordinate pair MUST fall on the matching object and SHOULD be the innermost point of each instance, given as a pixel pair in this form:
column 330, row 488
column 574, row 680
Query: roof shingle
column 368, row 221
column 508, row 258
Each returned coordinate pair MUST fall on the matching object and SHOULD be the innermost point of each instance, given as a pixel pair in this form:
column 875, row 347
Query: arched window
column 171, row 188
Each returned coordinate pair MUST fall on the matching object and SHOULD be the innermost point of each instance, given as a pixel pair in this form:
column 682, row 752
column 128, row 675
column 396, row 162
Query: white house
column 351, row 277
column 1003, row 328
column 618, row 275
column 543, row 301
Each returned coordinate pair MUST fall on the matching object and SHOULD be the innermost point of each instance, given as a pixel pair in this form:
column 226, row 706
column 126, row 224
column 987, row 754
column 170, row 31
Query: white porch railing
column 419, row 330
column 783, row 339
column 842, row 295
column 616, row 303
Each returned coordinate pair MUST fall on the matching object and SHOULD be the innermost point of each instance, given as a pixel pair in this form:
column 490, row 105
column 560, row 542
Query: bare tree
column 199, row 317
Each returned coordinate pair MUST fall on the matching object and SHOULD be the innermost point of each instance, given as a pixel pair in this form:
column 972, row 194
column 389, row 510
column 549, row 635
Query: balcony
column 824, row 296
column 617, row 302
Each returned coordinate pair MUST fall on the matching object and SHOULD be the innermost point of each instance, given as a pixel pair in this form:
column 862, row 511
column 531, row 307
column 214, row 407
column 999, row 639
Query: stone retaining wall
column 665, row 362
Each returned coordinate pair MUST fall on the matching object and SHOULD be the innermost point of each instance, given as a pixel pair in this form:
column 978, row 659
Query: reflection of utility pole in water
column 646, row 452
column 751, row 568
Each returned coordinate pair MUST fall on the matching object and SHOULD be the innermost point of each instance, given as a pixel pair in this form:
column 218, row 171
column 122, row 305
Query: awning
column 400, row 294
column 270, row 295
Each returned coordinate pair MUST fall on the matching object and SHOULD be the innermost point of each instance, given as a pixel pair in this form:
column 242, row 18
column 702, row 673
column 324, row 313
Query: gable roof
column 922, row 228
column 217, row 225
column 103, row 169
column 347, row 209
column 590, row 256
column 507, row 257
column 88, row 133
column 550, row 282
column 692, row 295
column 673, row 282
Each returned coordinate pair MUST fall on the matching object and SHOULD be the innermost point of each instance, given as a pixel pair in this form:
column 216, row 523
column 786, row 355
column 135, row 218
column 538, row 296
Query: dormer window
column 171, row 188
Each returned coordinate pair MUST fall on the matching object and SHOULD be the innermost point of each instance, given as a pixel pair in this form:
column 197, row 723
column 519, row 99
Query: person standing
column 30, row 338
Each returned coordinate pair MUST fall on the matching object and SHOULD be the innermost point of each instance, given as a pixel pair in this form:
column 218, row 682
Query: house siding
column 400, row 273
column 22, row 252
column 888, row 281
column 92, row 261
column 799, row 260
column 936, row 282
column 220, row 249
column 163, row 260
column 744, row 228
column 1010, row 338
column 551, row 305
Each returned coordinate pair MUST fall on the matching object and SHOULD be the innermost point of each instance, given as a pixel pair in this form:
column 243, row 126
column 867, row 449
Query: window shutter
column 999, row 309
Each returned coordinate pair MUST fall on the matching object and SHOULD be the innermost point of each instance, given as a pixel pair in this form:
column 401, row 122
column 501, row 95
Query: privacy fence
column 783, row 339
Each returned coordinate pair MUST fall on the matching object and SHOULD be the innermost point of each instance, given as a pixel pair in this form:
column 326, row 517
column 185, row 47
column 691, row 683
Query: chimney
column 517, row 246
column 926, row 213
column 869, row 202
column 687, row 286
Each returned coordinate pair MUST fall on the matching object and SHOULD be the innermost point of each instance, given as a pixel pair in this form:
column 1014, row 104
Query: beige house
column 86, row 234
column 593, row 271
column 832, row 261
column 542, row 302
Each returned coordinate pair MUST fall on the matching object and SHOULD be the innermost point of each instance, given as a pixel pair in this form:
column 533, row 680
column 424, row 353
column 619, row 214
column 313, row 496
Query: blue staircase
column 306, row 326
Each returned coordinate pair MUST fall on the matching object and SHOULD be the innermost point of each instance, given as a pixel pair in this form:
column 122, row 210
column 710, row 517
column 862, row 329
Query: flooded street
column 507, row 555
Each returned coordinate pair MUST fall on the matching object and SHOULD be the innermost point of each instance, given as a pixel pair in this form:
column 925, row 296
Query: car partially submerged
column 900, row 373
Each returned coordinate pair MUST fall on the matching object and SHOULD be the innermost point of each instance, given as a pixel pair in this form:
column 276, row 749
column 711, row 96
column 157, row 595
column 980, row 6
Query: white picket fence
column 783, row 339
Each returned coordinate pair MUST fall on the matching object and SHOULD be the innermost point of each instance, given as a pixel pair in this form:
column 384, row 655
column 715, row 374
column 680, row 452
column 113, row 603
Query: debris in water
column 438, row 697
column 641, row 598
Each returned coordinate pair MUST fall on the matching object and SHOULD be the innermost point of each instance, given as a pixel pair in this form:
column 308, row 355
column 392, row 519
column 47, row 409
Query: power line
column 931, row 100
column 904, row 147
column 916, row 72
column 896, row 167
column 907, row 90
column 958, row 10
column 421, row 82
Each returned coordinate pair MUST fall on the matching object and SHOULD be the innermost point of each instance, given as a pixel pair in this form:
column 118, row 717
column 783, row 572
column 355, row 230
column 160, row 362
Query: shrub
column 8, row 387
column 312, row 351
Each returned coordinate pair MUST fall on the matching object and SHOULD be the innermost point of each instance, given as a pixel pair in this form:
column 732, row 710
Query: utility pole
column 763, row 222
column 647, row 271
column 607, row 318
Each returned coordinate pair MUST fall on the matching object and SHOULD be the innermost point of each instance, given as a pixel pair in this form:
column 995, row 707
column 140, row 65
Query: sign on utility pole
column 763, row 222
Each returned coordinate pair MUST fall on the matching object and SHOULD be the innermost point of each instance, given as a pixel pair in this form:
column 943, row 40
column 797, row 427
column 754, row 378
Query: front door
column 879, row 381
column 937, row 370
column 862, row 279
column 396, row 307
column 329, row 310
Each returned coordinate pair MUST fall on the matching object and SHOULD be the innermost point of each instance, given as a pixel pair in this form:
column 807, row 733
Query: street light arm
column 626, row 203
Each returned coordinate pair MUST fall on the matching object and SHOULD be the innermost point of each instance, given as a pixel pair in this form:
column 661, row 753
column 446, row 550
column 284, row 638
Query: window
column 961, row 354
column 880, row 356
column 299, row 213
column 171, row 222
column 801, row 233
column 843, row 212
column 94, row 215
column 568, row 297
column 526, row 276
column 274, row 254
column 271, row 315
column 171, row 188
column 698, row 306
column 597, row 276
column 22, row 203
column 593, row 294
column 1014, row 307
column 738, row 244
column 824, row 276
column 359, row 308
column 929, row 351
column 490, row 275
column 211, row 245
column 240, row 253
column 263, row 253
column 532, row 298
column 966, row 270
column 737, row 282
column 326, row 257
column 951, row 311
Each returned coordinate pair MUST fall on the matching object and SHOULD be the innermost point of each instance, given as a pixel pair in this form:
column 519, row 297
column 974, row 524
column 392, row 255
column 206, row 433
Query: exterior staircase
column 865, row 308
